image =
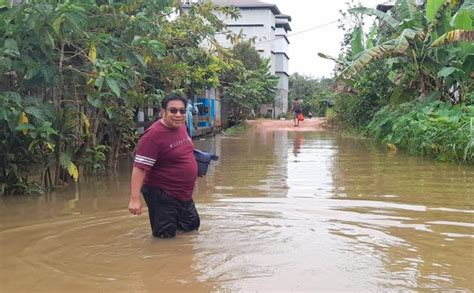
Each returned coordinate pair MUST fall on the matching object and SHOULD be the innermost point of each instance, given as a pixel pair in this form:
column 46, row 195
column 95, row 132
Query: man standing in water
column 165, row 172
column 296, row 110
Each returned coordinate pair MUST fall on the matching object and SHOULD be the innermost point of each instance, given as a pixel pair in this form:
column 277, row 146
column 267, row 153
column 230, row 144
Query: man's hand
column 135, row 206
column 136, row 182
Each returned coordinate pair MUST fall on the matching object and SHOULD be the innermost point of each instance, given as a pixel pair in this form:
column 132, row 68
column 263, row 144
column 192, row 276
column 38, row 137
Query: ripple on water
column 279, row 211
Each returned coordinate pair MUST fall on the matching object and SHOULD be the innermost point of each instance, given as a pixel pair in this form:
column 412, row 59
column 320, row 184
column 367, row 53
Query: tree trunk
column 113, row 155
column 422, row 88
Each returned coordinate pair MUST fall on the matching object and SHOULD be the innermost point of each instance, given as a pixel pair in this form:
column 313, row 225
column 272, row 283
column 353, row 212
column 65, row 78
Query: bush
column 282, row 115
column 434, row 129
column 236, row 129
column 353, row 111
column 330, row 115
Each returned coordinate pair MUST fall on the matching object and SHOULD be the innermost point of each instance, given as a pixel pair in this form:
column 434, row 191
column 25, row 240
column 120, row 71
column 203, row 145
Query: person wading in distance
column 296, row 110
column 165, row 171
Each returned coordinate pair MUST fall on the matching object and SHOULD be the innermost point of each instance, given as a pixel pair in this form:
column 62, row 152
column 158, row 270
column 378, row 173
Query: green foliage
column 26, row 138
column 317, row 94
column 330, row 115
column 236, row 129
column 353, row 111
column 356, row 44
column 368, row 94
column 394, row 24
column 412, row 84
column 67, row 163
column 72, row 71
column 95, row 159
column 245, row 89
column 246, row 52
column 283, row 115
column 434, row 129
column 469, row 150
column 413, row 39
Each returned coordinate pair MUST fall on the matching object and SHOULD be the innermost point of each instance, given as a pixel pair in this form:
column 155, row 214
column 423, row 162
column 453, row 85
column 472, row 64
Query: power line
column 298, row 33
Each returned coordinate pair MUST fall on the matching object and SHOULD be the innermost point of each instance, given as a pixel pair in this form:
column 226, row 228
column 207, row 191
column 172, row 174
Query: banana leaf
column 356, row 42
column 453, row 37
column 383, row 16
column 379, row 52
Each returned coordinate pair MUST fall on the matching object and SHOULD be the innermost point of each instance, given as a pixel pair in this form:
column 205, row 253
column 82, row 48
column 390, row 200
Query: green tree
column 412, row 60
column 72, row 71
column 247, row 83
column 317, row 94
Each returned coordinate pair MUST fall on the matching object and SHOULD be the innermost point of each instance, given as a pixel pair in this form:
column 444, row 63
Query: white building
column 281, row 62
column 265, row 23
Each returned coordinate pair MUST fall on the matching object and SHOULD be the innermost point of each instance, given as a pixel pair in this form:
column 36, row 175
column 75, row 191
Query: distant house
column 265, row 23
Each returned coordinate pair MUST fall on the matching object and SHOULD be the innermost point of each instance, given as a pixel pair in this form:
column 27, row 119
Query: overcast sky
column 304, row 47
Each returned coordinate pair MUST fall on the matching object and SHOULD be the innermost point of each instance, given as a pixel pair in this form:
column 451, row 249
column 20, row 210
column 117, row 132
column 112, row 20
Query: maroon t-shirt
column 166, row 154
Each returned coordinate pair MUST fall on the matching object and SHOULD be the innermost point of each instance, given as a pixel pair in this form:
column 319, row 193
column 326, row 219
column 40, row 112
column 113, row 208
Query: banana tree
column 416, row 39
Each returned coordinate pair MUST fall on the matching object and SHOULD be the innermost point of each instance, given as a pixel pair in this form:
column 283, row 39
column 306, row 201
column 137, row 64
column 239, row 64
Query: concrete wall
column 281, row 63
column 254, row 23
column 281, row 42
column 281, row 104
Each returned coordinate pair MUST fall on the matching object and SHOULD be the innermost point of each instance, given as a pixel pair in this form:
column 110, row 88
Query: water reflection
column 297, row 141
column 249, row 165
column 286, row 211
column 378, row 210
column 310, row 165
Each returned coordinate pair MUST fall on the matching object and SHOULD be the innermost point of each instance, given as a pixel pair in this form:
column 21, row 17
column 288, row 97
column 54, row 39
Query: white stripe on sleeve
column 144, row 160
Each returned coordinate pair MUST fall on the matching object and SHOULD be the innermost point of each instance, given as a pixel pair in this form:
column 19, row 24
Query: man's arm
column 135, row 206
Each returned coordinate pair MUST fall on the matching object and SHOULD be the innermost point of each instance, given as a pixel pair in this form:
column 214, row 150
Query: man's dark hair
column 172, row 97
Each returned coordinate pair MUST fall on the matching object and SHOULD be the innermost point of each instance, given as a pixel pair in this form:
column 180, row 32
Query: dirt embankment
column 314, row 124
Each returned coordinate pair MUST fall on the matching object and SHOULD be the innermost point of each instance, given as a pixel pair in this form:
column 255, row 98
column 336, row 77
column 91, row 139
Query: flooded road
column 280, row 211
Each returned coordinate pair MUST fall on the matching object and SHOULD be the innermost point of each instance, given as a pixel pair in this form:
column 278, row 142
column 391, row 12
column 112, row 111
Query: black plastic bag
column 203, row 160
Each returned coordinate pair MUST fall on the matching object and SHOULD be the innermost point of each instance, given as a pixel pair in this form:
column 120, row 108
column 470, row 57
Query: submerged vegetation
column 409, row 81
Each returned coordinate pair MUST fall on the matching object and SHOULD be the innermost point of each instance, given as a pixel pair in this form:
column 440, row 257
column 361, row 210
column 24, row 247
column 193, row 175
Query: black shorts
column 168, row 214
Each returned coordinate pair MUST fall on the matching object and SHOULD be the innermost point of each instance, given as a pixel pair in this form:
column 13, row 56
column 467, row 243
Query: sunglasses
column 182, row 111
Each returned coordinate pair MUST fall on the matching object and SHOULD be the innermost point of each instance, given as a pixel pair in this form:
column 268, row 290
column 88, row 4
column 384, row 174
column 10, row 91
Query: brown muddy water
column 280, row 211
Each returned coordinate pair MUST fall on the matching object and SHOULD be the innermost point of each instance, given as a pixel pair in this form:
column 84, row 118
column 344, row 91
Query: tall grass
column 236, row 129
column 469, row 151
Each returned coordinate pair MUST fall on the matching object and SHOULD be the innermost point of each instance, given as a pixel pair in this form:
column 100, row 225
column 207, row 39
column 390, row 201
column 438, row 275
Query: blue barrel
column 203, row 160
